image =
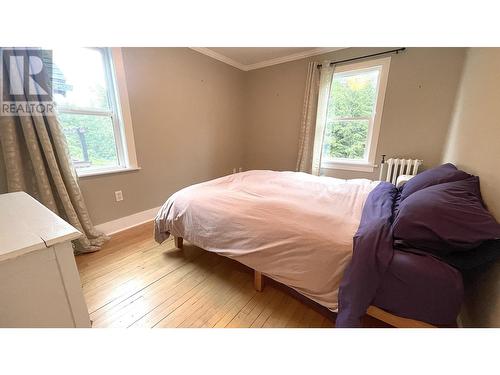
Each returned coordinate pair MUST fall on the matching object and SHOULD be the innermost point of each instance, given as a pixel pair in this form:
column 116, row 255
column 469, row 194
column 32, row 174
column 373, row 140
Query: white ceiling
column 252, row 55
column 249, row 58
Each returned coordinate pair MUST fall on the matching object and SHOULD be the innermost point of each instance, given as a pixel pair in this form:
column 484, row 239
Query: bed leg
column 258, row 281
column 178, row 242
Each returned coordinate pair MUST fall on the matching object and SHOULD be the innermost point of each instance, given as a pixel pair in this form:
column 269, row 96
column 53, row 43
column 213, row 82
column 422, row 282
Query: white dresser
column 39, row 282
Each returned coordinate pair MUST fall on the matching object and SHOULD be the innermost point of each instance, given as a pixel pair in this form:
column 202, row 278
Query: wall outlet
column 234, row 170
column 240, row 169
column 118, row 195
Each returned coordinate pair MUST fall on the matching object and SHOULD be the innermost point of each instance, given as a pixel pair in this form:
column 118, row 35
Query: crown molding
column 292, row 57
column 217, row 56
column 265, row 63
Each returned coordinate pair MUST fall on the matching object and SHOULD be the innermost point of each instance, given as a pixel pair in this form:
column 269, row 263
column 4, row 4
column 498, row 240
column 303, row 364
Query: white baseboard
column 118, row 225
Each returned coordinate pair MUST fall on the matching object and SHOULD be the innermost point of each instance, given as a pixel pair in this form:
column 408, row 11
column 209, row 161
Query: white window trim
column 349, row 165
column 374, row 131
column 105, row 171
column 118, row 78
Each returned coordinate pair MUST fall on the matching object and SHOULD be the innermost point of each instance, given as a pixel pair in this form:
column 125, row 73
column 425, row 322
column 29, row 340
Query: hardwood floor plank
column 224, row 300
column 240, row 300
column 249, row 313
column 190, row 306
column 164, row 293
column 178, row 296
column 133, row 308
column 213, row 301
column 234, row 299
column 297, row 317
column 281, row 314
column 134, row 282
column 120, row 289
column 268, row 310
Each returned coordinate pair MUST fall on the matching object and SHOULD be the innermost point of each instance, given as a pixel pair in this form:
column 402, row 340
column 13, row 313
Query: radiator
column 395, row 167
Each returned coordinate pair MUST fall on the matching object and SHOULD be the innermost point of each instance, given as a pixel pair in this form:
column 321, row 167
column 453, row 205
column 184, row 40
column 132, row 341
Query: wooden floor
column 134, row 282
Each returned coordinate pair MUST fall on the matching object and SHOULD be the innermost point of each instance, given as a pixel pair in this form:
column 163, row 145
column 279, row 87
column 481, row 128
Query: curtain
column 314, row 116
column 37, row 161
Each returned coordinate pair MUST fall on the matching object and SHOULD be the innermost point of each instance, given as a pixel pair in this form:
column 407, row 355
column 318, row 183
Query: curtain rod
column 396, row 51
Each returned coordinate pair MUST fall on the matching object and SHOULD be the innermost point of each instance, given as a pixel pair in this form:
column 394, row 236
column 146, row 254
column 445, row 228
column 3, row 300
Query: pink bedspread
column 294, row 227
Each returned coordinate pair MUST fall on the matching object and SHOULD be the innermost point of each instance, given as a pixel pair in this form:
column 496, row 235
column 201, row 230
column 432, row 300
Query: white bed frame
column 376, row 312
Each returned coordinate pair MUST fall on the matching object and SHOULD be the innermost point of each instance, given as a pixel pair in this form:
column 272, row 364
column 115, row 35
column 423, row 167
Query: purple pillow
column 444, row 173
column 445, row 217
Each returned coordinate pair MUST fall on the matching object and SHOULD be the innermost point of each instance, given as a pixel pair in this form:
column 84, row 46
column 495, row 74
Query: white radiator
column 395, row 167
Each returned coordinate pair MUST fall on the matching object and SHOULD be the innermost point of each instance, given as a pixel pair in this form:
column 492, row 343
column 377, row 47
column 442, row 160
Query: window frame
column 119, row 113
column 367, row 164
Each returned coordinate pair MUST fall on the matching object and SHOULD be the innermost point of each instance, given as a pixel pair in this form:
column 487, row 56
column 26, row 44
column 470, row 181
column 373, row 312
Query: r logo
column 28, row 74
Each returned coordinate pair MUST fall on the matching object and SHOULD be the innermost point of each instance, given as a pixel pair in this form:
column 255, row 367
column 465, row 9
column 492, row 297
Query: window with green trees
column 85, row 95
column 351, row 114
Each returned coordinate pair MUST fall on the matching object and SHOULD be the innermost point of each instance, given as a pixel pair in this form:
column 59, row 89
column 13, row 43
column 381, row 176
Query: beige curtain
column 37, row 161
column 314, row 115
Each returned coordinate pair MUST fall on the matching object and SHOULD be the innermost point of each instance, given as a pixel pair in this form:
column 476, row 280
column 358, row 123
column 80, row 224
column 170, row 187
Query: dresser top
column 26, row 225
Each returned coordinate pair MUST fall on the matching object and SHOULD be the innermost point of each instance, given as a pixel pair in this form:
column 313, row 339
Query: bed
column 269, row 222
column 300, row 230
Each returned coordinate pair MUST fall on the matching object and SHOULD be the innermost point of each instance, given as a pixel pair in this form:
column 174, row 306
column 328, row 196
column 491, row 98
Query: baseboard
column 118, row 225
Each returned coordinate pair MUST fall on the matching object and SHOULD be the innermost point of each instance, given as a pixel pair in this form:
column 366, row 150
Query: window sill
column 349, row 166
column 102, row 172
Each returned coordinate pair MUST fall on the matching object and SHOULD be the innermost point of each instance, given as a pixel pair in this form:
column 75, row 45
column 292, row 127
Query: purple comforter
column 410, row 284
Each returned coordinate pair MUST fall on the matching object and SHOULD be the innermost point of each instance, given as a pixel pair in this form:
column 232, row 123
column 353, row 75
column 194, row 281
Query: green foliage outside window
column 98, row 134
column 351, row 97
column 90, row 138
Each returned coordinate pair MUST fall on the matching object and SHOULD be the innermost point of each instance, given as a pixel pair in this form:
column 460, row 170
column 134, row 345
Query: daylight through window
column 88, row 108
column 353, row 115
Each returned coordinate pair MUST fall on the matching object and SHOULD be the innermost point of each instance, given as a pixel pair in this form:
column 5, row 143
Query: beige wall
column 474, row 145
column 418, row 105
column 186, row 112
column 196, row 118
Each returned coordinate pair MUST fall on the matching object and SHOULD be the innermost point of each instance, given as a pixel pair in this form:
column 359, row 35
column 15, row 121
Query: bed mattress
column 419, row 286
column 293, row 227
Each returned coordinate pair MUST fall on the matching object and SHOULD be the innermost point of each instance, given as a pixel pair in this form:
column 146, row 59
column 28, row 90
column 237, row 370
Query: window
column 91, row 111
column 353, row 116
